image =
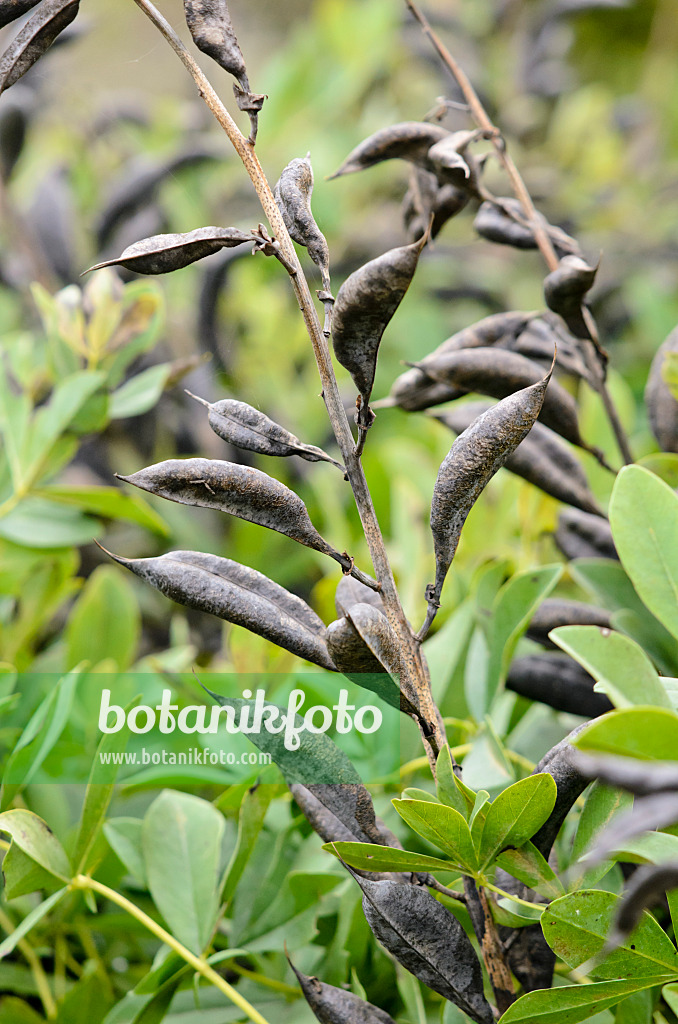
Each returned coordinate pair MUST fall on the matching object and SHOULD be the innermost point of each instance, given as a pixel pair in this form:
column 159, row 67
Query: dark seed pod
column 245, row 427
column 426, row 201
column 662, row 407
column 559, row 682
column 410, row 140
column 348, row 650
column 349, row 804
column 237, row 594
column 472, row 461
column 413, row 391
column 364, row 306
column 35, row 38
column 642, row 778
column 498, row 372
column 214, row 281
column 428, row 941
column 580, row 535
column 12, row 9
column 293, row 196
column 503, row 221
column 350, row 592
column 51, row 218
column 644, row 890
column 648, row 813
column 452, row 163
column 565, row 289
column 560, row 764
column 542, row 459
column 210, row 25
column 240, row 491
column 15, row 113
column 337, row 1006
column 372, row 628
column 161, row 254
column 556, row 611
column 537, row 341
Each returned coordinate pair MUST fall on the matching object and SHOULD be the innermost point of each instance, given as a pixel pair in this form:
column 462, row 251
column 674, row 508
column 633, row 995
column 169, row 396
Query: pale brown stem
column 414, row 681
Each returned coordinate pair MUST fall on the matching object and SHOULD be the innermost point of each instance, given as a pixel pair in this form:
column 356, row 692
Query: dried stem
column 483, row 120
column 415, row 681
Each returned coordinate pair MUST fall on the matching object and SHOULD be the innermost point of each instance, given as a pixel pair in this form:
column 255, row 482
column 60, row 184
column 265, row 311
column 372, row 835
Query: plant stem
column 544, row 244
column 196, row 962
column 414, row 681
column 39, row 976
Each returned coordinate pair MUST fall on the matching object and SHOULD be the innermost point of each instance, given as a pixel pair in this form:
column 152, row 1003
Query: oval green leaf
column 442, row 826
column 516, row 815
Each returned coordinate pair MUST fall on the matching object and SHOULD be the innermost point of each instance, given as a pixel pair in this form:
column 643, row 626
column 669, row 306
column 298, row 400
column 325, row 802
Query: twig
column 415, row 682
column 535, row 223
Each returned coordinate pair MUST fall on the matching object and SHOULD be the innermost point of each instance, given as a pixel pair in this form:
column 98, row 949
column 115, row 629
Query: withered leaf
column 557, row 611
column 662, row 407
column 503, row 221
column 210, row 25
column 293, row 195
column 409, row 140
column 425, row 199
column 559, row 682
column 642, row 778
column 582, row 535
column 428, row 941
column 337, row 1006
column 162, row 254
column 35, row 38
column 565, row 289
column 237, row 594
column 12, row 9
column 348, row 804
column 472, row 461
column 363, row 309
column 240, row 491
column 541, row 458
column 245, row 427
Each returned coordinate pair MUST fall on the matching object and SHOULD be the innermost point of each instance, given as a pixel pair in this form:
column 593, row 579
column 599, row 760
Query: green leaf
column 576, row 927
column 603, row 803
column 636, row 1008
column 181, row 840
column 36, row 523
column 648, row 733
column 109, row 503
column 649, row 848
column 442, row 826
column 140, row 393
column 30, row 921
column 449, row 787
column 37, row 841
column 124, row 838
column 516, row 815
column 644, row 521
column 105, row 621
column 53, row 419
column 528, row 865
column 516, row 914
column 572, row 1003
column 620, row 666
column 372, row 857
column 252, row 812
column 670, row 994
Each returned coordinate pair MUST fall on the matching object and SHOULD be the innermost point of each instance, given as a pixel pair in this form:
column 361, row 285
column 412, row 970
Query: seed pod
column 373, row 629
column 428, row 941
column 645, row 889
column 240, row 491
column 161, row 254
column 542, row 459
column 560, row 764
column 564, row 291
column 12, row 9
column 210, row 25
column 580, row 535
column 365, row 304
column 410, row 140
column 15, row 113
column 657, row 811
column 337, row 1006
column 35, row 38
column 237, row 594
column 426, row 199
column 348, row 650
column 51, row 219
column 350, row 592
column 662, row 407
column 559, row 682
column 537, row 341
column 452, row 164
column 498, row 372
column 642, row 778
column 245, row 427
column 471, row 462
column 214, row 281
column 293, row 196
column 348, row 804
column 413, row 391
column 503, row 221
column 556, row 611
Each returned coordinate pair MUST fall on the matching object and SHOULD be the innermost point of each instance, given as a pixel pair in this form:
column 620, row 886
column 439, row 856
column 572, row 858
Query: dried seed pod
column 12, row 9
column 428, row 941
column 293, row 196
column 237, row 594
column 559, row 682
column 210, row 25
column 452, row 163
column 426, row 201
column 503, row 221
column 240, row 491
column 642, row 778
column 413, row 391
column 471, row 462
column 364, row 306
column 245, row 427
column 556, row 611
column 580, row 535
column 15, row 113
column 337, row 1006
column 348, row 650
column 350, row 592
column 161, row 254
column 498, row 372
column 410, row 140
column 565, row 289
column 560, row 764
column 648, row 813
column 35, row 38
column 542, row 459
column 51, row 220
column 662, row 407
column 373, row 629
column 646, row 888
column 537, row 341
column 214, row 281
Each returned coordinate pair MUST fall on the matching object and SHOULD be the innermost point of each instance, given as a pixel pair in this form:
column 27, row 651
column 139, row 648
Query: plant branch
column 414, row 682
column 520, row 190
column 196, row 962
